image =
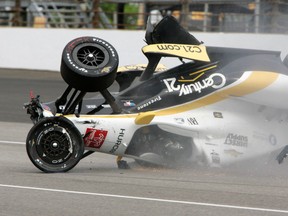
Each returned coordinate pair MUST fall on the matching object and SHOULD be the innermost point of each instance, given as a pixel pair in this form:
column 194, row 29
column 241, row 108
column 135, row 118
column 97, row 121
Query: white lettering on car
column 118, row 141
column 185, row 89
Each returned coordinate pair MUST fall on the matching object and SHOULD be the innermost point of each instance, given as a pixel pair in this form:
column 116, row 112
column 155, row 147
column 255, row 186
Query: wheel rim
column 90, row 56
column 54, row 145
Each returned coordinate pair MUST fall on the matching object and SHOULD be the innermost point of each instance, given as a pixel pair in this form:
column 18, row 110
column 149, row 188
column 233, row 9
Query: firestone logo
column 185, row 89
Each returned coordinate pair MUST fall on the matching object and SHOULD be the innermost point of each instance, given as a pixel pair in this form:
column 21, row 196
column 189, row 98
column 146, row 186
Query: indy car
column 218, row 106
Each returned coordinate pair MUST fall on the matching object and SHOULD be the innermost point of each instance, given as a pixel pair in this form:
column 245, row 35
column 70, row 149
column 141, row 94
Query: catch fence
column 251, row 16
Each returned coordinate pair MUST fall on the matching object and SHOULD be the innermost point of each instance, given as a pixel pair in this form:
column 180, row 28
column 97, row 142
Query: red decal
column 94, row 138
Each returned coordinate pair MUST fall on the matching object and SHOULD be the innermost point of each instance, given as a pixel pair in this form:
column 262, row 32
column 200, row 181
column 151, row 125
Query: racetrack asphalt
column 97, row 187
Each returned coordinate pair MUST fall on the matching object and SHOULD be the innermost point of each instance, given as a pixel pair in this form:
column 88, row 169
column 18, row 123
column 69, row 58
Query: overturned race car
column 218, row 106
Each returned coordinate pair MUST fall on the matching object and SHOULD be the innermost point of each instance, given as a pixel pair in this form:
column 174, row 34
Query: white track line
column 12, row 142
column 137, row 198
column 146, row 199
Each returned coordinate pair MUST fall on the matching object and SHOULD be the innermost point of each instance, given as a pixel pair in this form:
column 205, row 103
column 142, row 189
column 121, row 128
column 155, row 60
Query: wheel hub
column 91, row 56
column 55, row 145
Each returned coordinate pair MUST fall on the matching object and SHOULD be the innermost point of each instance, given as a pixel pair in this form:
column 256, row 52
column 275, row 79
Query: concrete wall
column 41, row 49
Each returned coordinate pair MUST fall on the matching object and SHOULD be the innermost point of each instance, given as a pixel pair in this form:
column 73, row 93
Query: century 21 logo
column 189, row 88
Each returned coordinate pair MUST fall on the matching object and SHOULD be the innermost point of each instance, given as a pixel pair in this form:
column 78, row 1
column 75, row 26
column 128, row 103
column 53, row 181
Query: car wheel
column 54, row 145
column 89, row 64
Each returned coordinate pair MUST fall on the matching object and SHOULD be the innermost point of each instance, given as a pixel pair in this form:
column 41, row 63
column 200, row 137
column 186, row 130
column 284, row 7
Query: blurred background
column 246, row 16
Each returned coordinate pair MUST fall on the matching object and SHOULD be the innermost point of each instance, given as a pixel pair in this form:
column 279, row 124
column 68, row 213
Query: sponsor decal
column 152, row 101
column 217, row 114
column 189, row 51
column 232, row 152
column 179, row 120
column 215, row 157
column 94, row 138
column 128, row 103
column 192, row 121
column 118, row 141
column 236, row 140
column 186, row 48
column 194, row 87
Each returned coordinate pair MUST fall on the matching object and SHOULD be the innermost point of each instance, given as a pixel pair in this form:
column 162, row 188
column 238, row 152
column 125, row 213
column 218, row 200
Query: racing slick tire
column 54, row 145
column 89, row 64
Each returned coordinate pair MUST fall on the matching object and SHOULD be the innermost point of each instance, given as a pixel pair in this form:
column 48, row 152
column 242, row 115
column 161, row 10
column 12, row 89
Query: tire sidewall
column 50, row 124
column 84, row 77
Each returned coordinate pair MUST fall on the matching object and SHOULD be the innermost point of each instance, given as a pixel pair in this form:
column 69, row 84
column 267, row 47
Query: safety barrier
column 41, row 49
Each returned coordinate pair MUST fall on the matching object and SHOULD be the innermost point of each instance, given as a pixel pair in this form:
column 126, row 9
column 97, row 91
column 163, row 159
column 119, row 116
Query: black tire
column 54, row 145
column 89, row 64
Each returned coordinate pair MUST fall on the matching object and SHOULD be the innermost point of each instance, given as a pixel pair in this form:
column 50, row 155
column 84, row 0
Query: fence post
column 16, row 21
column 120, row 17
column 185, row 13
column 96, row 17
